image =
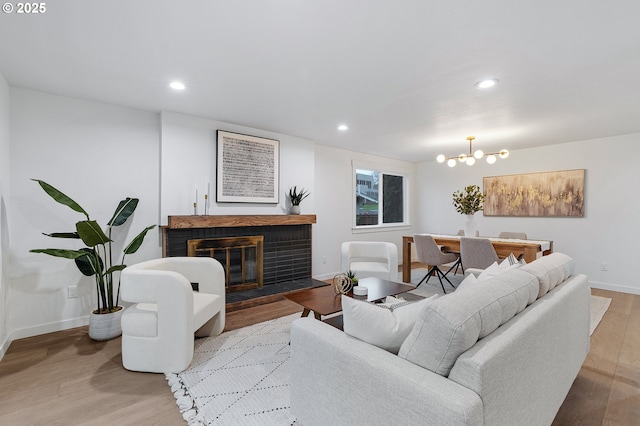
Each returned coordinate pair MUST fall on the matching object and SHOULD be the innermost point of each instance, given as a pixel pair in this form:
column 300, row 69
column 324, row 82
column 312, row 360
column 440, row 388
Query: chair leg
column 425, row 277
column 456, row 265
column 438, row 274
column 445, row 277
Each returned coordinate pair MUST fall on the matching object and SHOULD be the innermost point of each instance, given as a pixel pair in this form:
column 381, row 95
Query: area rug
column 599, row 306
column 242, row 377
column 238, row 378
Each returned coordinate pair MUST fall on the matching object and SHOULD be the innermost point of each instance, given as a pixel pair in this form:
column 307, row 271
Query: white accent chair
column 158, row 330
column 370, row 259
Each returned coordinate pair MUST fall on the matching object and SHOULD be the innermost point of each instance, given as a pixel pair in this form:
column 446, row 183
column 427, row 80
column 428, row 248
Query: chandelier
column 473, row 156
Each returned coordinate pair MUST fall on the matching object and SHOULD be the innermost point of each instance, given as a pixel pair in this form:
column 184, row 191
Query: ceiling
column 400, row 74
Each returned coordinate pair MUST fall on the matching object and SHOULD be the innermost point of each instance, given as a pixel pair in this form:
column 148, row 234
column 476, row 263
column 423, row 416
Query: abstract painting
column 544, row 194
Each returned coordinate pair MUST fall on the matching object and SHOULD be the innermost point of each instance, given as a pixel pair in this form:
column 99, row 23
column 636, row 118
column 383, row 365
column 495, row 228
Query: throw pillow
column 496, row 269
column 512, row 260
column 469, row 281
column 385, row 326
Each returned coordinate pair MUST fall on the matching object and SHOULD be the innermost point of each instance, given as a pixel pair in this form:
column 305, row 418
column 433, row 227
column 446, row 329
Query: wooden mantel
column 218, row 221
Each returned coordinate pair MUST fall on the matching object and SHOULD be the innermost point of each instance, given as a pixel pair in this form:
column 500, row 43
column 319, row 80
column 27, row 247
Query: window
column 380, row 198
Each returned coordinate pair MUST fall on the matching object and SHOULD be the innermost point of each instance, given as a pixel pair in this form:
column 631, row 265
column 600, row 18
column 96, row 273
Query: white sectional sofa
column 504, row 351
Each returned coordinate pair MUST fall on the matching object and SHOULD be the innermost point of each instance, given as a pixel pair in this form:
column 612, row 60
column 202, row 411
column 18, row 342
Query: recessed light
column 343, row 127
column 176, row 85
column 485, row 84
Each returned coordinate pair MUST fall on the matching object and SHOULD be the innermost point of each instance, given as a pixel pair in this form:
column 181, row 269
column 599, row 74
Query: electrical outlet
column 72, row 291
column 604, row 266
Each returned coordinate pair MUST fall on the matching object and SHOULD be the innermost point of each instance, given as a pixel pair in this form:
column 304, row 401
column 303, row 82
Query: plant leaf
column 91, row 233
column 67, row 254
column 135, row 244
column 88, row 264
column 115, row 268
column 125, row 209
column 60, row 197
column 63, row 235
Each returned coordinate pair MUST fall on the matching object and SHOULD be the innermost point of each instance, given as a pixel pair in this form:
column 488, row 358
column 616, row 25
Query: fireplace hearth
column 286, row 246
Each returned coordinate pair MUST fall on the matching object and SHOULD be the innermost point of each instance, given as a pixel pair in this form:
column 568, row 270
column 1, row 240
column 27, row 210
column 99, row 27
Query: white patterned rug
column 242, row 377
column 238, row 378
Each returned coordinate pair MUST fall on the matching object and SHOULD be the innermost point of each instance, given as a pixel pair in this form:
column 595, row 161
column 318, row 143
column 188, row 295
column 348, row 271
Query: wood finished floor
column 65, row 378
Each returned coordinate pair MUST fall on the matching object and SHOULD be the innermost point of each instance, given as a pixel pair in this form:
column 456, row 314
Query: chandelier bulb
column 471, row 158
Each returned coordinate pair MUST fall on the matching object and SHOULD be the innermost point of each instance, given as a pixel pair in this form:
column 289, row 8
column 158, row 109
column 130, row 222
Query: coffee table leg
column 305, row 312
column 317, row 315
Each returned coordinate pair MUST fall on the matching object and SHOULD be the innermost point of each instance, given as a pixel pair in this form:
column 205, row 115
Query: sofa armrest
column 337, row 379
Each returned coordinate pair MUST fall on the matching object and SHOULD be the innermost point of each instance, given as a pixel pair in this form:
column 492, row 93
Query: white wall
column 607, row 232
column 334, row 206
column 97, row 154
column 189, row 162
column 4, row 194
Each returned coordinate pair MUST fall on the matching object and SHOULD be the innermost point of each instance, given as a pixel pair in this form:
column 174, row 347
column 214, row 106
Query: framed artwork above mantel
column 544, row 194
column 247, row 169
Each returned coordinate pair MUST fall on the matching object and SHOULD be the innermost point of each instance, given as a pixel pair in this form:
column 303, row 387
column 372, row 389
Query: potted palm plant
column 469, row 202
column 96, row 259
column 296, row 198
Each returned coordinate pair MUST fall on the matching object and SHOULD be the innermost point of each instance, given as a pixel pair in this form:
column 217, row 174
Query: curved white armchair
column 158, row 331
column 370, row 259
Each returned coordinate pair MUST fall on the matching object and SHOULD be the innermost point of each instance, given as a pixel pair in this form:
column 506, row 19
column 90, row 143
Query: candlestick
column 195, row 209
column 206, row 204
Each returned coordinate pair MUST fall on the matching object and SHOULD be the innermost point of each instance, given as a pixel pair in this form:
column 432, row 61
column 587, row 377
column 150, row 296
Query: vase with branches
column 468, row 202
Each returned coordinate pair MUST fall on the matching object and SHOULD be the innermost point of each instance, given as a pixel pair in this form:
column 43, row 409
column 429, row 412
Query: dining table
column 529, row 250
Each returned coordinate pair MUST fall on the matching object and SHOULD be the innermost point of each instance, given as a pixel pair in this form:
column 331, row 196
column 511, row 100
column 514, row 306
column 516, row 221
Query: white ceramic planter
column 105, row 326
column 295, row 210
column 470, row 226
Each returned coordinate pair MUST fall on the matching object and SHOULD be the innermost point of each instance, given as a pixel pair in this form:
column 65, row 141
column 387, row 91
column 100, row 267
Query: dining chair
column 477, row 253
column 430, row 254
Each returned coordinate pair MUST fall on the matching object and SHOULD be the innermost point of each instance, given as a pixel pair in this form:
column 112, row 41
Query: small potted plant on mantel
column 96, row 259
column 296, row 197
column 469, row 202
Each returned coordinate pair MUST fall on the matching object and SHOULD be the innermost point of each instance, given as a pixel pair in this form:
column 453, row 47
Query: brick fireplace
column 286, row 244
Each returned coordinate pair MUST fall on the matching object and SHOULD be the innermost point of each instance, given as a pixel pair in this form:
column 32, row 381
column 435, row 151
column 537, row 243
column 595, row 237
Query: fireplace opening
column 241, row 258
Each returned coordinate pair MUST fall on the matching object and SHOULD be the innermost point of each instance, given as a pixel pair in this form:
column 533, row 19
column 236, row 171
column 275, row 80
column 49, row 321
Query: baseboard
column 51, row 327
column 614, row 287
column 4, row 347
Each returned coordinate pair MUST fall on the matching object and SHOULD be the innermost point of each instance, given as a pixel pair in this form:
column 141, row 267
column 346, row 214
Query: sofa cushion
column 550, row 270
column 385, row 326
column 452, row 324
